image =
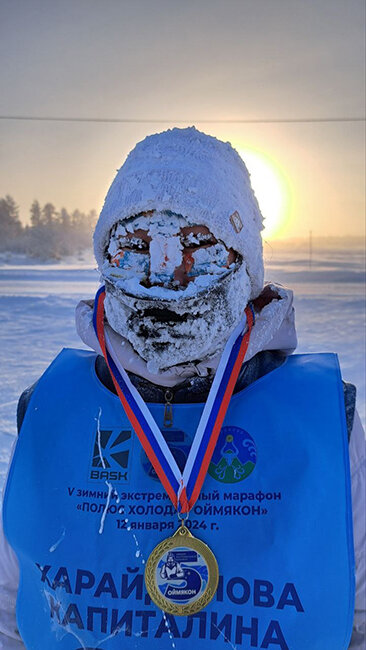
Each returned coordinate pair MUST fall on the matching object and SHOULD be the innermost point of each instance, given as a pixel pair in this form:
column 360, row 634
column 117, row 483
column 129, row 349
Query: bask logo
column 111, row 455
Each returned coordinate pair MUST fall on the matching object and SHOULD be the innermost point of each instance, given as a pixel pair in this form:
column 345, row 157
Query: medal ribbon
column 182, row 489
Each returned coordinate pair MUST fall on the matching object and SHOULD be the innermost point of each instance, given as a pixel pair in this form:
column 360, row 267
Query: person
column 171, row 569
column 252, row 449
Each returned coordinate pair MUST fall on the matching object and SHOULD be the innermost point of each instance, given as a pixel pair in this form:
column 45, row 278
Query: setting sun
column 271, row 189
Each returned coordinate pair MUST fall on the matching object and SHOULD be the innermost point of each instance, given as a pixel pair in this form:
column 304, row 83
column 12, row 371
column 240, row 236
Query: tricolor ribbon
column 183, row 489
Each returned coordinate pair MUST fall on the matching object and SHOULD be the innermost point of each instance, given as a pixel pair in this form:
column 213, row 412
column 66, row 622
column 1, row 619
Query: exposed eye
column 133, row 243
column 121, row 240
column 194, row 240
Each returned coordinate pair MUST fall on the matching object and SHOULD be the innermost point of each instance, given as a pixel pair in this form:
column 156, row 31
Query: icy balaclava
column 178, row 245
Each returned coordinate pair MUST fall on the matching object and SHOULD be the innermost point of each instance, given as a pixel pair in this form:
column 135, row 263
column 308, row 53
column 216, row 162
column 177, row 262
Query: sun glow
column 271, row 189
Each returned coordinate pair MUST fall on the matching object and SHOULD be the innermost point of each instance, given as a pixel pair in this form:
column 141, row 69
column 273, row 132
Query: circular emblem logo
column 234, row 457
column 181, row 574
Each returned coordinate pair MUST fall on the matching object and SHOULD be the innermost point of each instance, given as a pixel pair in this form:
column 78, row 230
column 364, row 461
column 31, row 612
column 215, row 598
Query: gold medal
column 181, row 574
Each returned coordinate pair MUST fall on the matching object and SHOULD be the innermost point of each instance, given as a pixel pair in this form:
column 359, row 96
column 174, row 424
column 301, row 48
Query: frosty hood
column 274, row 329
column 197, row 176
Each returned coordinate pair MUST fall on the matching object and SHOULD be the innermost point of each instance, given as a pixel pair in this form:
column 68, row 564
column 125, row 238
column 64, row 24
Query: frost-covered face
column 165, row 250
column 172, row 289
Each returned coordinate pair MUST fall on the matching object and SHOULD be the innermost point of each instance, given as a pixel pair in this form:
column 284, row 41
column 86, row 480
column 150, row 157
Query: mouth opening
column 164, row 315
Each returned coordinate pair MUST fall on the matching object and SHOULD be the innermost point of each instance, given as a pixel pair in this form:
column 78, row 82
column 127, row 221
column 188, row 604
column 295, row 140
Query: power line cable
column 127, row 120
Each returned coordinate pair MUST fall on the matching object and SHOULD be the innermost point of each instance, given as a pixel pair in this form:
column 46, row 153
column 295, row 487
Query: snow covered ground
column 37, row 305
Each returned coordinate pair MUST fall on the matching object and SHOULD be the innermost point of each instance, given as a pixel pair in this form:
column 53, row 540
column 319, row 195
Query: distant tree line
column 50, row 235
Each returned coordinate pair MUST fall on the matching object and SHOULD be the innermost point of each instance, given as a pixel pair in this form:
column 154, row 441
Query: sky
column 194, row 62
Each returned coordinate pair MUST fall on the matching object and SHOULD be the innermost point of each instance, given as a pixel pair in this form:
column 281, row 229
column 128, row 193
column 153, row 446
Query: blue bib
column 83, row 510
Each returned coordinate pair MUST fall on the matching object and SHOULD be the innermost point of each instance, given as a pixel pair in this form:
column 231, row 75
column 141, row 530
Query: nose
column 165, row 257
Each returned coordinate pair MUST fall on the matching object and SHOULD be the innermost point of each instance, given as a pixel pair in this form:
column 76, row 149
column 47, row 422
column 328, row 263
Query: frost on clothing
column 274, row 329
column 195, row 175
column 178, row 268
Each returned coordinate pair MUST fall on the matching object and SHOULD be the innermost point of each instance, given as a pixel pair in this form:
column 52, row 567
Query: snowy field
column 37, row 318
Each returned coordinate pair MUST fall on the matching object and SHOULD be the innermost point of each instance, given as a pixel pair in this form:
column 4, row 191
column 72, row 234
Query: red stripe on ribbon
column 185, row 505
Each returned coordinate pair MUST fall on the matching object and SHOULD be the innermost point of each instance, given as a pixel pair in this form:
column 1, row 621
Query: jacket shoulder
column 27, row 394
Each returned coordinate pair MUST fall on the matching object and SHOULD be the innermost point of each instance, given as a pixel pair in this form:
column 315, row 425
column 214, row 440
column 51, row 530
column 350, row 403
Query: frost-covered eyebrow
column 191, row 235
